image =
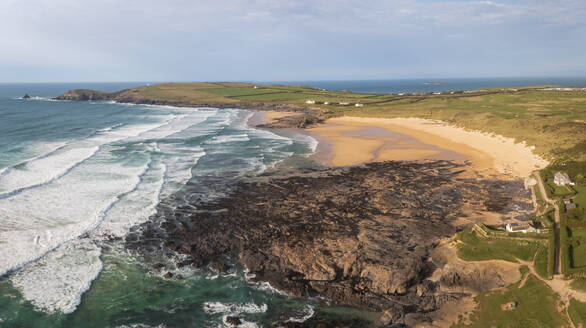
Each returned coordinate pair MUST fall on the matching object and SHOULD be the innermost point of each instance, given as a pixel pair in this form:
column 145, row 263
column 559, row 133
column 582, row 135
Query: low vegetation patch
column 541, row 262
column 535, row 306
column 579, row 284
column 473, row 248
column 577, row 312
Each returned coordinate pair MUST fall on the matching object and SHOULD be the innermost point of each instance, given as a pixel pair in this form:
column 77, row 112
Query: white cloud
column 129, row 35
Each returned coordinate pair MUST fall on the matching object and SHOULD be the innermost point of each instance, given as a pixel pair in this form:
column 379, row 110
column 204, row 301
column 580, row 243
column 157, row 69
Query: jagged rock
column 339, row 233
column 233, row 321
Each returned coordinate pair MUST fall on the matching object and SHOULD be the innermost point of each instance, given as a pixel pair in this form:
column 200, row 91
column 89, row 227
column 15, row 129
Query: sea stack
column 26, row 96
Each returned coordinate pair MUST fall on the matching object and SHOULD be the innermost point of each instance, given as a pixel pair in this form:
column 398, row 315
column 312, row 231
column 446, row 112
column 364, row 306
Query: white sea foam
column 228, row 138
column 37, row 98
column 306, row 314
column 38, row 220
column 57, row 281
column 135, row 207
column 54, row 165
column 309, row 141
column 180, row 162
column 233, row 308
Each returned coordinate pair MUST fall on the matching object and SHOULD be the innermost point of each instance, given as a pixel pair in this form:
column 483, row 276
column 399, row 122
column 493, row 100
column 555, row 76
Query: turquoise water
column 77, row 177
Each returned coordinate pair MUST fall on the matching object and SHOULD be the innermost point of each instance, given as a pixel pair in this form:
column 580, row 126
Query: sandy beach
column 355, row 140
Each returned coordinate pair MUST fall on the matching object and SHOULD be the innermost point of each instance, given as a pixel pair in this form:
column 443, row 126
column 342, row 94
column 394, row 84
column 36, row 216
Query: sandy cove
column 355, row 140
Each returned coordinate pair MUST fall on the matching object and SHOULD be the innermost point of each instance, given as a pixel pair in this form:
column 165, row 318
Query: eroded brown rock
column 359, row 236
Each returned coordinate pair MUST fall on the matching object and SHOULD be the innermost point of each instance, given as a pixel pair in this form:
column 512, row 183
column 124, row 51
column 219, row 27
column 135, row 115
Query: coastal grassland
column 541, row 262
column 553, row 121
column 580, row 198
column 473, row 248
column 579, row 284
column 536, row 307
column 577, row 312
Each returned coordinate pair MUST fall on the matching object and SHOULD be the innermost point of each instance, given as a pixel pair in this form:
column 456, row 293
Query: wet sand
column 354, row 140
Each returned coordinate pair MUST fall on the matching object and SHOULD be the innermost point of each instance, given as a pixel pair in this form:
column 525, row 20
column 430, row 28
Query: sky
column 234, row 40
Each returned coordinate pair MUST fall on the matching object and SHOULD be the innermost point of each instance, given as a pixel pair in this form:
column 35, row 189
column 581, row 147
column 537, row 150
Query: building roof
column 520, row 226
column 562, row 176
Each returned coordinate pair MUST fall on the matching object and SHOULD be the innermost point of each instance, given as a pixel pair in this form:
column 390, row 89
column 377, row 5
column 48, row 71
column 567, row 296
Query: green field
column 577, row 312
column 579, row 284
column 578, row 233
column 541, row 262
column 536, row 307
column 578, row 253
column 580, row 198
column 553, row 121
column 473, row 248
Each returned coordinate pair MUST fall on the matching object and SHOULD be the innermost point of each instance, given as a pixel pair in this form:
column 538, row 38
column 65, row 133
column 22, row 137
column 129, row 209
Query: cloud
column 260, row 39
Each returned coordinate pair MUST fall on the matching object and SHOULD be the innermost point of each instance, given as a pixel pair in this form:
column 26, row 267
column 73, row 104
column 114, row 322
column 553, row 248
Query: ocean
column 438, row 85
column 77, row 177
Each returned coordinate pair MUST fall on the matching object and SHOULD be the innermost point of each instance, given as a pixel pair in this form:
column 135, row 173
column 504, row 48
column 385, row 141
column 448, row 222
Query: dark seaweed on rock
column 358, row 236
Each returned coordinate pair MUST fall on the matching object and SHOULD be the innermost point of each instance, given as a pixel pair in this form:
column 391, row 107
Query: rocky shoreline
column 365, row 236
column 360, row 236
column 305, row 118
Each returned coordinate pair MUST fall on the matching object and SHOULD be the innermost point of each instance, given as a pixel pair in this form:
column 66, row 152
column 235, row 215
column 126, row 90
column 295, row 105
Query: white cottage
column 562, row 179
column 524, row 227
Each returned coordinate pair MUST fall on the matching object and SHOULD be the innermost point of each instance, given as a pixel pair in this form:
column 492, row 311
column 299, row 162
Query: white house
column 437, row 93
column 562, row 179
column 255, row 87
column 310, row 102
column 344, row 103
column 326, row 102
column 524, row 227
column 359, row 105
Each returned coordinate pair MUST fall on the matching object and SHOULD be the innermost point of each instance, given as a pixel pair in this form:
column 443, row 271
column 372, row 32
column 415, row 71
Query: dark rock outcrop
column 359, row 236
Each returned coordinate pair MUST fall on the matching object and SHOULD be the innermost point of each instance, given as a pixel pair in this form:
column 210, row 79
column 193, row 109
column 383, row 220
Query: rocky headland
column 306, row 117
column 361, row 236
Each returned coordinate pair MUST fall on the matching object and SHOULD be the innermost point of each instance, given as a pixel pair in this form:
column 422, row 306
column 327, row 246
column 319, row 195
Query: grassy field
column 579, row 233
column 473, row 248
column 553, row 121
column 579, row 284
column 577, row 312
column 580, row 198
column 578, row 256
column 541, row 262
column 536, row 307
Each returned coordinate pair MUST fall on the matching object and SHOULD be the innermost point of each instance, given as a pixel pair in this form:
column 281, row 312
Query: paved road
column 556, row 229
